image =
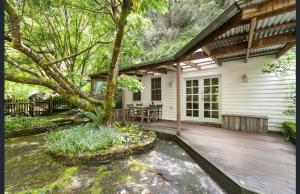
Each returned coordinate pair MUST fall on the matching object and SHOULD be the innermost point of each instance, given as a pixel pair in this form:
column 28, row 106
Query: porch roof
column 244, row 30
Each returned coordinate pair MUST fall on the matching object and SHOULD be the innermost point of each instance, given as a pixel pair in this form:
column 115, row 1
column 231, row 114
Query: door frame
column 201, row 118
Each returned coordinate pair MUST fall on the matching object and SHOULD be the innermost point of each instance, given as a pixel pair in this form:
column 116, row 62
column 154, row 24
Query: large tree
column 57, row 43
column 120, row 17
column 42, row 48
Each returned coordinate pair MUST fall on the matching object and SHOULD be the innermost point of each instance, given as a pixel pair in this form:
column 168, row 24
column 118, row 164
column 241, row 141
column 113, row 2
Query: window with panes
column 137, row 95
column 156, row 89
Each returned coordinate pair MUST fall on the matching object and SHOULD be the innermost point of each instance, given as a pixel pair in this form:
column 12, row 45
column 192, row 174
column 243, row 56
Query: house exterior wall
column 263, row 94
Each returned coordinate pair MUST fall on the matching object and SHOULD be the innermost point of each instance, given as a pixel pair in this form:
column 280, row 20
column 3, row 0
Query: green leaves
column 289, row 130
column 83, row 138
column 13, row 123
column 130, row 83
column 96, row 117
column 282, row 66
column 143, row 6
column 160, row 6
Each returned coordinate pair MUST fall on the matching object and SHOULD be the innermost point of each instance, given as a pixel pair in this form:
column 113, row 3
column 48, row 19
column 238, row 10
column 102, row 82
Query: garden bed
column 86, row 145
column 23, row 126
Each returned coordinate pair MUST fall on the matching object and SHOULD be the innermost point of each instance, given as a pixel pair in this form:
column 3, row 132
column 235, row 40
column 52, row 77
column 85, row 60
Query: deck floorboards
column 263, row 163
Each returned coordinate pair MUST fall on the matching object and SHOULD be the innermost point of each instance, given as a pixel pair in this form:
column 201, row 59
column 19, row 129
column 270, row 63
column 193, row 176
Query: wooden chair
column 159, row 110
column 152, row 113
column 130, row 112
column 129, row 105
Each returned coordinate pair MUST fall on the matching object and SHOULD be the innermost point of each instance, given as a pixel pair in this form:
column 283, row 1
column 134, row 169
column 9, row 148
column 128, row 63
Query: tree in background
column 163, row 34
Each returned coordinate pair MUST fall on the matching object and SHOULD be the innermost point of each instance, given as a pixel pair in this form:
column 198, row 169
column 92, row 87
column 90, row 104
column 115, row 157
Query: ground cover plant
column 25, row 125
column 84, row 138
column 92, row 138
column 13, row 123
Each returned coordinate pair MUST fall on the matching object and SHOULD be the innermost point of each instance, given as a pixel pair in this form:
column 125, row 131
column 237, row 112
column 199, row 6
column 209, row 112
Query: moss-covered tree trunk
column 114, row 66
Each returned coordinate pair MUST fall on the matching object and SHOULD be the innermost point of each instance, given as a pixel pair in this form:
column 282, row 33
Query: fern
column 96, row 117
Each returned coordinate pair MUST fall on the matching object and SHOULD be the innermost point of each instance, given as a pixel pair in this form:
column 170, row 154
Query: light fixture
column 244, row 78
column 170, row 84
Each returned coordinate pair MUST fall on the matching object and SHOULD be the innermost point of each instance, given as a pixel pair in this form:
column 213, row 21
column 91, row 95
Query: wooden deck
column 262, row 163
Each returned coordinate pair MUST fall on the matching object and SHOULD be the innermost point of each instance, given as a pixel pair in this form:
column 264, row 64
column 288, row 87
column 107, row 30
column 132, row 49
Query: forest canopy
column 64, row 27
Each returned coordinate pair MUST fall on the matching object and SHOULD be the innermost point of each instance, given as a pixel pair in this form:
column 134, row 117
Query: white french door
column 202, row 99
column 192, row 98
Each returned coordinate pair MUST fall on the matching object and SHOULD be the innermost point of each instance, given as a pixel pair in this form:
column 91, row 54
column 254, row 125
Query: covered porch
column 244, row 35
column 263, row 163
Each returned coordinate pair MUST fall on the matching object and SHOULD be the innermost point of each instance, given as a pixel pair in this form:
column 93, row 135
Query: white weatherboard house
column 219, row 72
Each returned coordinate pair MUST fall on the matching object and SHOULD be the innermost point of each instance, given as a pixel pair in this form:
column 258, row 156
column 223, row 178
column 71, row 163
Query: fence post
column 31, row 112
column 50, row 106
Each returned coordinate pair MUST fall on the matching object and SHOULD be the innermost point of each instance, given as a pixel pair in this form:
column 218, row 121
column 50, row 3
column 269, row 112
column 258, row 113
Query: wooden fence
column 27, row 107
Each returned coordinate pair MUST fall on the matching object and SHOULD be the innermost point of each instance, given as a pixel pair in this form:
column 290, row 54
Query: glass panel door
column 192, row 98
column 211, row 97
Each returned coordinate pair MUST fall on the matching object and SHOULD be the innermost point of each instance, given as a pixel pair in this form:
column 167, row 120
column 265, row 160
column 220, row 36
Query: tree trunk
column 114, row 66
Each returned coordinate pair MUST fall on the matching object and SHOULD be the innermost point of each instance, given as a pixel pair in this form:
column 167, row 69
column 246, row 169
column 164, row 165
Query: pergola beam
column 284, row 25
column 157, row 71
column 285, row 49
column 207, row 51
column 137, row 72
column 170, row 67
column 133, row 73
column 258, row 43
column 250, row 37
column 147, row 72
column 194, row 65
column 195, row 56
column 269, row 9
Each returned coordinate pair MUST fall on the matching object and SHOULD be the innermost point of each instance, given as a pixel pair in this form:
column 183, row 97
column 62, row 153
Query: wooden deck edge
column 217, row 175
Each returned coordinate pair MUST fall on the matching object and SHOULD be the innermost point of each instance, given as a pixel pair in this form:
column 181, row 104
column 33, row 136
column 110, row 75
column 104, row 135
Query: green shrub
column 96, row 117
column 12, row 123
column 84, row 138
column 289, row 130
column 131, row 128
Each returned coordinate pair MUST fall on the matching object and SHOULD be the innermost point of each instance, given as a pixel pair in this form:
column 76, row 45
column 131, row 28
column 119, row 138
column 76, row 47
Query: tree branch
column 16, row 34
column 33, row 81
column 20, row 67
column 7, row 38
column 73, row 99
column 76, row 54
